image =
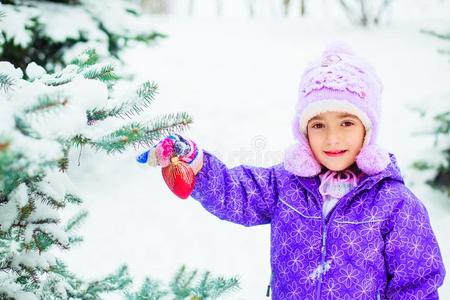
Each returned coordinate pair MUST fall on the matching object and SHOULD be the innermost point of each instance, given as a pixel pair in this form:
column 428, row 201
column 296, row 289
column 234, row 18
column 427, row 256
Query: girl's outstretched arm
column 244, row 194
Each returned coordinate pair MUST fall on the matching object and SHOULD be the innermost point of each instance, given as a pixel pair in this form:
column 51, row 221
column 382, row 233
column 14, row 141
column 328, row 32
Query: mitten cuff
column 197, row 163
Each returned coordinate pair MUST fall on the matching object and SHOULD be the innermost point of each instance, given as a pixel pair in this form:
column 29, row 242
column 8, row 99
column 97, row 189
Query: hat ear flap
column 372, row 159
column 299, row 160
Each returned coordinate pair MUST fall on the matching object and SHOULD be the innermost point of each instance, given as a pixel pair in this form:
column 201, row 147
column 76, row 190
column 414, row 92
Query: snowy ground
column 238, row 78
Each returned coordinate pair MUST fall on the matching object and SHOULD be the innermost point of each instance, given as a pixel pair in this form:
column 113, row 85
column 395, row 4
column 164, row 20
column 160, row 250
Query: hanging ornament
column 179, row 177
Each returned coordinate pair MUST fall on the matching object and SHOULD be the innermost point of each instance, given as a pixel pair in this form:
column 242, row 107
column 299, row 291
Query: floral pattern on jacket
column 376, row 243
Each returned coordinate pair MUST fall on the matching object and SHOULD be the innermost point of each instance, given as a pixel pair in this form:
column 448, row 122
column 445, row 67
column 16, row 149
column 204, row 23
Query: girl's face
column 335, row 139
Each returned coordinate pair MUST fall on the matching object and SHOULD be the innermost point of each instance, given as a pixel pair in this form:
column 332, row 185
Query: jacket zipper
column 323, row 252
column 325, row 222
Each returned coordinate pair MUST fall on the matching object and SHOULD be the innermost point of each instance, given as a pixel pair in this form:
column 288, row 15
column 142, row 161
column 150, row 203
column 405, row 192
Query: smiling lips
column 335, row 153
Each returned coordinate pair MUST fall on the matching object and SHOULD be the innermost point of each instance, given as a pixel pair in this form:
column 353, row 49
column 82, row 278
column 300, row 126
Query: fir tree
column 38, row 31
column 441, row 131
column 365, row 13
column 186, row 285
column 42, row 118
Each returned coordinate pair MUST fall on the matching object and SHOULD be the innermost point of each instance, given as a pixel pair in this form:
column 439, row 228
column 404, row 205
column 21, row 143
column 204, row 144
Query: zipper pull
column 268, row 286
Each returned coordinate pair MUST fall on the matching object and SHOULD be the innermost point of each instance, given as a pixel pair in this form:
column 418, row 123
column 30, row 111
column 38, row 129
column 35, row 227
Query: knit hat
column 338, row 81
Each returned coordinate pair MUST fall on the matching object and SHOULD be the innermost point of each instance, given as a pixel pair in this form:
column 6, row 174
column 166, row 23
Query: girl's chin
column 336, row 166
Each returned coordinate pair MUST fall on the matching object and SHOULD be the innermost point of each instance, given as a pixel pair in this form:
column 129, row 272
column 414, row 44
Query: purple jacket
column 376, row 243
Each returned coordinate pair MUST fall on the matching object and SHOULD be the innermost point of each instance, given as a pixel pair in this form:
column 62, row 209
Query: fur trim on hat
column 329, row 105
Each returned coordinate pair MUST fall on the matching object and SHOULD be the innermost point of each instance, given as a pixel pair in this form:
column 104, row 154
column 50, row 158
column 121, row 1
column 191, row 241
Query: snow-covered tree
column 288, row 3
column 52, row 33
column 365, row 12
column 155, row 6
column 42, row 118
column 438, row 114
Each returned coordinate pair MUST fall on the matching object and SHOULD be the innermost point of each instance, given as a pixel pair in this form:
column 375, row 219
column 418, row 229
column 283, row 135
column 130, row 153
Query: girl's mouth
column 335, row 153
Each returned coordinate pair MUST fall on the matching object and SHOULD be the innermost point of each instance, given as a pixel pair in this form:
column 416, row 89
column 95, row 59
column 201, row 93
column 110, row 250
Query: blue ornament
column 143, row 157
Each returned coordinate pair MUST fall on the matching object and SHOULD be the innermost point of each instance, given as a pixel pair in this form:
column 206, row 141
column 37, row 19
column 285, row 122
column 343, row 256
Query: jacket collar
column 392, row 171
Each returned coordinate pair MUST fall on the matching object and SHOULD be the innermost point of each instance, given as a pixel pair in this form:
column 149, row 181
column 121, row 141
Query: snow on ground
column 238, row 78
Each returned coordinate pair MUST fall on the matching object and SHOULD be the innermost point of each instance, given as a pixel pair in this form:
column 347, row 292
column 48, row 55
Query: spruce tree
column 441, row 132
column 52, row 33
column 42, row 118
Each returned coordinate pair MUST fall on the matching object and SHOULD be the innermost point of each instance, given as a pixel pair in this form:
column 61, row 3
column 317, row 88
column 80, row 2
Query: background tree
column 44, row 117
column 364, row 12
column 52, row 33
column 440, row 118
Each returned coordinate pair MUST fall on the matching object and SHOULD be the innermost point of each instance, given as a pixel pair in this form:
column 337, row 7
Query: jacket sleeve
column 244, row 194
column 412, row 256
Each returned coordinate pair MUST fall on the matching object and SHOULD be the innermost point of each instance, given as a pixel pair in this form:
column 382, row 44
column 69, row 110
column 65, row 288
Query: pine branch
column 442, row 121
column 143, row 97
column 75, row 221
column 110, row 283
column 25, row 128
column 88, row 58
column 150, row 37
column 441, row 177
column 138, row 134
column 381, row 9
column 6, row 82
column 436, row 34
column 180, row 285
column 150, row 290
column 64, row 76
column 43, row 240
column 220, row 286
column 47, row 103
column 167, row 124
column 15, row 168
column 27, row 275
column 100, row 114
column 78, row 141
column 36, row 193
column 75, row 283
column 74, row 240
column 207, row 288
column 102, row 72
column 63, row 163
column 25, row 212
column 70, row 198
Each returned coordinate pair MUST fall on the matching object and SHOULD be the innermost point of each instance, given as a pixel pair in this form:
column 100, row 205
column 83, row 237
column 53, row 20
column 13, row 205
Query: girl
column 343, row 223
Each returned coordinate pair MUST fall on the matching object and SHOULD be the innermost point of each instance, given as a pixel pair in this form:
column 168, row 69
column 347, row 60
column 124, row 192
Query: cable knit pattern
column 341, row 78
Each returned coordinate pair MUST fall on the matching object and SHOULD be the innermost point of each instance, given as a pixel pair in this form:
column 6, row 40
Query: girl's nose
column 333, row 137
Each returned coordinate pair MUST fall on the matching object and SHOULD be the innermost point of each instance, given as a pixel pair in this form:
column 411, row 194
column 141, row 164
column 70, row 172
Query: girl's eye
column 347, row 123
column 317, row 126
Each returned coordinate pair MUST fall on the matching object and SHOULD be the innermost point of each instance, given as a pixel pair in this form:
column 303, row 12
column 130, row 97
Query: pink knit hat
column 338, row 81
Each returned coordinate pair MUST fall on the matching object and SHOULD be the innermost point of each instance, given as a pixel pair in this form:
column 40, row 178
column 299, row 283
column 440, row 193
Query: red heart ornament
column 179, row 177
